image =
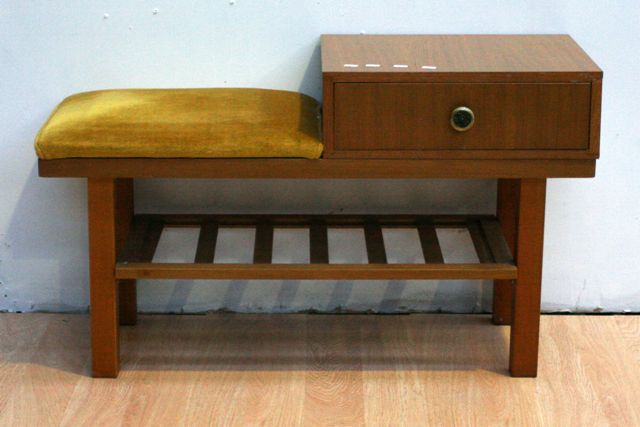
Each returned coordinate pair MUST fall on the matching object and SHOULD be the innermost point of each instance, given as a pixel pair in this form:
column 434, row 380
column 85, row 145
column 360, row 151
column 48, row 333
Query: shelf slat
column 429, row 241
column 479, row 242
column 225, row 220
column 263, row 249
column 207, row 243
column 135, row 241
column 375, row 243
column 318, row 243
column 151, row 239
column 316, row 271
column 495, row 258
column 495, row 239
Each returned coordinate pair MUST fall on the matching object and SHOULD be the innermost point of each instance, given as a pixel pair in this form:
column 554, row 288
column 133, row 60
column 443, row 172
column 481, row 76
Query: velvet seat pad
column 191, row 123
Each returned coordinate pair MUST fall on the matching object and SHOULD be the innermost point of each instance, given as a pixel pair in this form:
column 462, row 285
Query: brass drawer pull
column 462, row 118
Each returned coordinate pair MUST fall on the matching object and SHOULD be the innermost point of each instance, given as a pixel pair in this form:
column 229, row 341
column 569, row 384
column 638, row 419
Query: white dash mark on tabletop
column 400, row 66
column 429, row 67
column 351, row 65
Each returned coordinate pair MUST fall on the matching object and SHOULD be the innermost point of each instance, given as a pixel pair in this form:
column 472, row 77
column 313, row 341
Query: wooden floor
column 350, row 370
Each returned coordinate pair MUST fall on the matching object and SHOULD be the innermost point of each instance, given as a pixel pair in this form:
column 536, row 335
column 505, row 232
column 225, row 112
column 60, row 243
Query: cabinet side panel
column 327, row 115
column 596, row 108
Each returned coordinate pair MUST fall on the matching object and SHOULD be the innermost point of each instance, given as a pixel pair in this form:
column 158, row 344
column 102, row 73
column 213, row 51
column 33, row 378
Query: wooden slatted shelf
column 496, row 261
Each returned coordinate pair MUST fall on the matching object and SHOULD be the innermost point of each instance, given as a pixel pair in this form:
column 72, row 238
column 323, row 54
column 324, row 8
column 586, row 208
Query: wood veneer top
column 455, row 54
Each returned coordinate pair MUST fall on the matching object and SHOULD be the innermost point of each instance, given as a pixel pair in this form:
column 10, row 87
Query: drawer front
column 393, row 117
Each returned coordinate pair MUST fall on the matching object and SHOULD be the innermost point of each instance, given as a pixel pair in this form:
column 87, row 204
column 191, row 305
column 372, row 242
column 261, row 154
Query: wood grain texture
column 292, row 370
column 315, row 169
column 395, row 117
column 327, row 111
column 478, row 57
column 301, row 220
column 130, row 266
column 444, row 155
column 534, row 96
column 334, row 389
column 525, row 318
column 536, row 99
column 315, row 271
column 104, row 291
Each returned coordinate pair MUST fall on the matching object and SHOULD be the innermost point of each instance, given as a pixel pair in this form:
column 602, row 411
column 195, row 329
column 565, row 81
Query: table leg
column 525, row 321
column 106, row 232
column 127, row 292
column 128, row 302
column 507, row 211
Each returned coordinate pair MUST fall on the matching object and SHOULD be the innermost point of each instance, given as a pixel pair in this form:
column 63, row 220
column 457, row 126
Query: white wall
column 50, row 49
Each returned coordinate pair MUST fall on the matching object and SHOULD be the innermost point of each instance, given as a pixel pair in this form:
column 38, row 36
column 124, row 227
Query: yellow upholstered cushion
column 183, row 123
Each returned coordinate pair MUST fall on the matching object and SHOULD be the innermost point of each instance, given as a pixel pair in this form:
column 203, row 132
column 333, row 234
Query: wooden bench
column 520, row 109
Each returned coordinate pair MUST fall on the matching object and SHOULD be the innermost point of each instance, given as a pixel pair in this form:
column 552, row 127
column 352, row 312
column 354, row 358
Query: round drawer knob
column 462, row 119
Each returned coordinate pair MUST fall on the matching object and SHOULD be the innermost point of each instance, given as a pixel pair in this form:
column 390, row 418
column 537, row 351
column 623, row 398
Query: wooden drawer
column 417, row 116
column 532, row 97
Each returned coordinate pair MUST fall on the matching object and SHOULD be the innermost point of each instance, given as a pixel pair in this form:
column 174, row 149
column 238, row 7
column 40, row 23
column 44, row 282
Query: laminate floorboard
column 319, row 370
